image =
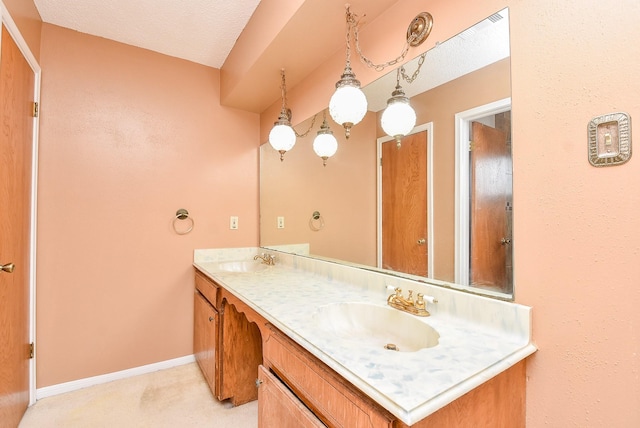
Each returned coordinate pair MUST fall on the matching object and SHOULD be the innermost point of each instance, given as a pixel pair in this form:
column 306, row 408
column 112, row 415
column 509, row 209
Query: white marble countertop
column 479, row 337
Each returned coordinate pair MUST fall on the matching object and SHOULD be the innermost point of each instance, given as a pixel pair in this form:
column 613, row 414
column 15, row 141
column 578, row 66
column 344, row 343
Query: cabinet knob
column 210, row 319
column 258, row 383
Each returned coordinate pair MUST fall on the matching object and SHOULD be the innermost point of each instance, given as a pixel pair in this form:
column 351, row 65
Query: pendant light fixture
column 325, row 144
column 399, row 118
column 282, row 136
column 348, row 104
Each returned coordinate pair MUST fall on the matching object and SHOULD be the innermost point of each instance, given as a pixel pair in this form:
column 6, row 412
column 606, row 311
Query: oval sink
column 241, row 266
column 377, row 326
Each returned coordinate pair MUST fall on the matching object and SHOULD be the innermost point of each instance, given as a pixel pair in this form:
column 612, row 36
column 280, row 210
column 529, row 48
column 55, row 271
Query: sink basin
column 241, row 266
column 375, row 326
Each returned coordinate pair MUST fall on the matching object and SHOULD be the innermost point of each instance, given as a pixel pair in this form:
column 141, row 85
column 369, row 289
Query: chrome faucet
column 416, row 307
column 267, row 259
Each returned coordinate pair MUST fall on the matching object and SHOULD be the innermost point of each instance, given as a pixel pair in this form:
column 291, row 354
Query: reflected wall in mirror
column 465, row 201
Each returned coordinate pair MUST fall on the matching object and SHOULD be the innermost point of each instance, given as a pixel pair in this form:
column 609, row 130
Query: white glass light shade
column 325, row 145
column 282, row 137
column 348, row 105
column 398, row 119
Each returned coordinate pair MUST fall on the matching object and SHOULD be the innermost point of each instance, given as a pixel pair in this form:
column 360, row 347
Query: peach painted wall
column 28, row 20
column 129, row 136
column 576, row 227
column 343, row 192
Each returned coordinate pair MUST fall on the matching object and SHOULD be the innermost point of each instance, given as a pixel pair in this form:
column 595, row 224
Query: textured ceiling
column 202, row 31
column 475, row 48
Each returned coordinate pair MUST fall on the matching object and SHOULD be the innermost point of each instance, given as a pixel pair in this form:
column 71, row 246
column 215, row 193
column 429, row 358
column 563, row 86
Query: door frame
column 430, row 229
column 12, row 28
column 462, row 220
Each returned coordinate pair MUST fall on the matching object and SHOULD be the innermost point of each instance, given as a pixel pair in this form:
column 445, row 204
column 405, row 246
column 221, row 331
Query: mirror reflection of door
column 404, row 205
column 16, row 136
column 491, row 204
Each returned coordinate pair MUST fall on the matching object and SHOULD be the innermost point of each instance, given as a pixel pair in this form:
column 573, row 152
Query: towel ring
column 182, row 214
column 316, row 222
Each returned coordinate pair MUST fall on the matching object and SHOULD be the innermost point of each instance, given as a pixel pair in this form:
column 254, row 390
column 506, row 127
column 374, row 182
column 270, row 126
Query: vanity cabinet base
column 297, row 390
column 499, row 402
column 227, row 346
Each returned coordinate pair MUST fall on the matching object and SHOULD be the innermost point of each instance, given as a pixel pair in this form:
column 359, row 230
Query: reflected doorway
column 405, row 211
column 484, row 208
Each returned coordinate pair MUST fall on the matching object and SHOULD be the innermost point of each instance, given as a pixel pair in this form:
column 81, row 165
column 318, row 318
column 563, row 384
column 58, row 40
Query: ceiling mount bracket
column 419, row 29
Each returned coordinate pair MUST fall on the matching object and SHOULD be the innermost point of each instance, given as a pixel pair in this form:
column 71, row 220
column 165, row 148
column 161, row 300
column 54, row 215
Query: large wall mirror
column 437, row 208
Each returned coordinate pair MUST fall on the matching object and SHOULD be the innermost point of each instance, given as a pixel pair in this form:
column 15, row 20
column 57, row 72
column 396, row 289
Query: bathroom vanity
column 315, row 335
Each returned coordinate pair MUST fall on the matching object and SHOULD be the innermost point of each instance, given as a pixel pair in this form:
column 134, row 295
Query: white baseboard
column 61, row 388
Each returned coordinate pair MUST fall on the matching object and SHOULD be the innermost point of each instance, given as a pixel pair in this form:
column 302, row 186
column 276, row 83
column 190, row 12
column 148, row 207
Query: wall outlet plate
column 233, row 222
column 609, row 138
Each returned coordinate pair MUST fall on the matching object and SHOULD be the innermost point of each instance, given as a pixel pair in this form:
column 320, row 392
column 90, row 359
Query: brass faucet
column 267, row 259
column 417, row 307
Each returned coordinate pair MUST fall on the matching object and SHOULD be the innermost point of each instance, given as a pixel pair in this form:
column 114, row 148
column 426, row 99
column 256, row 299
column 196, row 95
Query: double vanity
column 328, row 345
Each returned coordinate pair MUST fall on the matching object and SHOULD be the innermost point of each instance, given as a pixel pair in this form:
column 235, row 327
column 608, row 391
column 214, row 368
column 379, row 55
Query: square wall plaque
column 609, row 139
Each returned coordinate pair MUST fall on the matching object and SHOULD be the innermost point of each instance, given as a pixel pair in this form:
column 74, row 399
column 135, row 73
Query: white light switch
column 280, row 222
column 233, row 222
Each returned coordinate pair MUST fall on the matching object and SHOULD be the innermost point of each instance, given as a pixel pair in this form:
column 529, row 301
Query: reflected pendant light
column 399, row 118
column 325, row 144
column 282, row 137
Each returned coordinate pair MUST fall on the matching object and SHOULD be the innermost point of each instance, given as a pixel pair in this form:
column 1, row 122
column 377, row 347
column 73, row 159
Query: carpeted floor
column 176, row 397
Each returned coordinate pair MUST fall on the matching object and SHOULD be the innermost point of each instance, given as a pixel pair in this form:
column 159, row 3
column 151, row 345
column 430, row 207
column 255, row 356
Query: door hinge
column 31, row 351
column 35, row 109
column 380, row 160
column 470, row 146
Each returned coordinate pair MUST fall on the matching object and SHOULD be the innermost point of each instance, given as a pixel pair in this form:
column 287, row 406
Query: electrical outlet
column 233, row 222
column 280, row 222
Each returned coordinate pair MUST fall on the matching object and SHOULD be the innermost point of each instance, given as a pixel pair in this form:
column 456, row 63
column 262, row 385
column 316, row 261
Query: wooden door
column 404, row 205
column 490, row 194
column 205, row 338
column 16, row 139
column 279, row 408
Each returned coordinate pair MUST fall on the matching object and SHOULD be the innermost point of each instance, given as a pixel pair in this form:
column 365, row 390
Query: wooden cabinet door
column 205, row 338
column 240, row 355
column 279, row 408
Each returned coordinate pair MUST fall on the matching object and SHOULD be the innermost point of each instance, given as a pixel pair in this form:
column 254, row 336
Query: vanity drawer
column 279, row 408
column 331, row 398
column 207, row 288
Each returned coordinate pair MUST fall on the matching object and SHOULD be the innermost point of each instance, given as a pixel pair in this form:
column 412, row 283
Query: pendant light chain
column 414, row 76
column 313, row 122
column 283, row 91
column 353, row 21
